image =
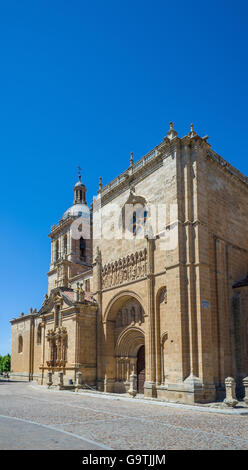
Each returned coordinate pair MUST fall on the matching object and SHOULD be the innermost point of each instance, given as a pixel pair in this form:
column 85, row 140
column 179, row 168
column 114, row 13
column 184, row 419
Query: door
column 141, row 369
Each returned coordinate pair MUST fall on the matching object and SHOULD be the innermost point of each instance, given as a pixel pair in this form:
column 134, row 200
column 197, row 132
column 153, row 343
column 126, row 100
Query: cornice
column 152, row 160
column 141, row 169
column 140, row 174
column 145, row 166
column 23, row 318
column 86, row 266
column 63, row 223
column 224, row 165
column 82, row 274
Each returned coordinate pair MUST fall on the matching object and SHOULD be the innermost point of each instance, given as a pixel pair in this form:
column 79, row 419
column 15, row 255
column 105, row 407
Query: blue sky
column 86, row 82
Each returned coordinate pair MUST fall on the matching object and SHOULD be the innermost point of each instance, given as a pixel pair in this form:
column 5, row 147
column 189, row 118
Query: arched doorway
column 128, row 344
column 141, row 369
column 124, row 335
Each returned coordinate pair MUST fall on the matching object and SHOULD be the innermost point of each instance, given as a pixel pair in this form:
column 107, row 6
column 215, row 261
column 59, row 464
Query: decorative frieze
column 124, row 270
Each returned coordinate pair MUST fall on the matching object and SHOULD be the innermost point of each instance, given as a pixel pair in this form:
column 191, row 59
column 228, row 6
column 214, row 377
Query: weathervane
column 79, row 173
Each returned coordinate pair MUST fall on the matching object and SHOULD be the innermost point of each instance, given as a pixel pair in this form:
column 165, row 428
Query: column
column 150, row 386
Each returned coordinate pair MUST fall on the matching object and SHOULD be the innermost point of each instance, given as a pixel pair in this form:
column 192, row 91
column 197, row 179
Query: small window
column 20, row 344
column 57, row 250
column 39, row 334
column 65, row 244
column 57, row 316
column 82, row 248
column 134, row 223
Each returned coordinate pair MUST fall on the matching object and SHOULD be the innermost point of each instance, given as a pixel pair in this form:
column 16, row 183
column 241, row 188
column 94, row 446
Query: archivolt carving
column 128, row 343
column 125, row 269
column 131, row 313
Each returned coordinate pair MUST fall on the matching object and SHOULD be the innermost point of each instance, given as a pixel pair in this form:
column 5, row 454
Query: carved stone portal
column 58, row 347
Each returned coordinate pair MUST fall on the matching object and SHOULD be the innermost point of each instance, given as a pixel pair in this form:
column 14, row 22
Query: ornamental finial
column 79, row 173
column 192, row 133
column 100, row 184
column 131, row 159
column 172, row 133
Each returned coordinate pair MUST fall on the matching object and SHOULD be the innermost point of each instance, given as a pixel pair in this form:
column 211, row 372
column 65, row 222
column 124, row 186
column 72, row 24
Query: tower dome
column 77, row 210
column 79, row 207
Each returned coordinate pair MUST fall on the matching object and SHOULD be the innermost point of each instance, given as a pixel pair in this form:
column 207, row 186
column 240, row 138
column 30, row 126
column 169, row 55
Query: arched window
column 139, row 220
column 134, row 214
column 39, row 331
column 20, row 344
column 82, row 248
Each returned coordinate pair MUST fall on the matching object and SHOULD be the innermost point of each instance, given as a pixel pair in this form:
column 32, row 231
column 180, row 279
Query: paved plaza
column 32, row 417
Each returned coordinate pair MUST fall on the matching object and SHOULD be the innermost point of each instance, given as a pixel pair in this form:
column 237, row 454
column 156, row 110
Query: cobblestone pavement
column 36, row 418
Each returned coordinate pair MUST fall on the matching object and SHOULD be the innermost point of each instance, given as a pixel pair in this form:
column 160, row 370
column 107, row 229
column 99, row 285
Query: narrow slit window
column 57, row 250
column 20, row 344
column 82, row 248
column 65, row 244
column 57, row 316
column 134, row 223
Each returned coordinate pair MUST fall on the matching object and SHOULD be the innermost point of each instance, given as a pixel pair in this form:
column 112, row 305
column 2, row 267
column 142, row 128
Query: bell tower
column 71, row 249
column 79, row 190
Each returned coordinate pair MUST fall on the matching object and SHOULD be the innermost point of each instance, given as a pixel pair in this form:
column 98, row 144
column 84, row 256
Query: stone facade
column 61, row 337
column 170, row 287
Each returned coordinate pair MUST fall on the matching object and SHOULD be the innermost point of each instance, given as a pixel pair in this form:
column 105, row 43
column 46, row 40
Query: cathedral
column 148, row 285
